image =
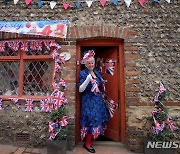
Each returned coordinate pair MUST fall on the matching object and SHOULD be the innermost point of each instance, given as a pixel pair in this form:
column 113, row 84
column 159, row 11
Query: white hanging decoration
column 128, row 2
column 168, row 1
column 15, row 1
column 89, row 3
column 52, row 4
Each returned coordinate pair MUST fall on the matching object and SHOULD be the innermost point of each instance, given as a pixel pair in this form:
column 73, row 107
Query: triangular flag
column 5, row 1
column 115, row 2
column 40, row 3
column 65, row 5
column 128, row 2
column 89, row 3
column 28, row 2
column 52, row 4
column 103, row 2
column 168, row 1
column 78, row 4
column 15, row 1
column 156, row 1
column 141, row 2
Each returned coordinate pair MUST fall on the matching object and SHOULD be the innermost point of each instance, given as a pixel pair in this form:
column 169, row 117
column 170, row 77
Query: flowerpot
column 159, row 150
column 56, row 147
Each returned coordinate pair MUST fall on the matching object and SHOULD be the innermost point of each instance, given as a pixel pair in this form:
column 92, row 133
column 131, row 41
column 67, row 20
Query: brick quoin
column 130, row 48
column 132, row 73
column 130, row 56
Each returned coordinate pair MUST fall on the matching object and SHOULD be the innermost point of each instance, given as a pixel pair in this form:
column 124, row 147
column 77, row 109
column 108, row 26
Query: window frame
column 21, row 58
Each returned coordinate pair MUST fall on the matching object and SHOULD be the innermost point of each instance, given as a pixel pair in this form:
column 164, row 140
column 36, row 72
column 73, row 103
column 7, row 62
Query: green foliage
column 62, row 135
column 57, row 114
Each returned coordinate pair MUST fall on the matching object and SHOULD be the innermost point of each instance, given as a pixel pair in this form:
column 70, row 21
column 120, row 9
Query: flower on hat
column 87, row 56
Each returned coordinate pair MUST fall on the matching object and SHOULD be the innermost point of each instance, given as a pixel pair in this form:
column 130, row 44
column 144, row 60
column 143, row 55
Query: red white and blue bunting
column 78, row 4
column 106, row 66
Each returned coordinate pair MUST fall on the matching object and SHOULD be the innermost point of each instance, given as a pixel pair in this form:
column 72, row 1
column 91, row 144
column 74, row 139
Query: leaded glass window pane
column 37, row 78
column 9, row 73
column 8, row 51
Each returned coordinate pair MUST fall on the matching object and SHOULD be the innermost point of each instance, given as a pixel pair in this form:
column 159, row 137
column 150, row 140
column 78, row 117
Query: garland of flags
column 159, row 126
column 77, row 4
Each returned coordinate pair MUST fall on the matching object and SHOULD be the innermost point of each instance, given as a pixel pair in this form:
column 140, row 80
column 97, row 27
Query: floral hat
column 89, row 54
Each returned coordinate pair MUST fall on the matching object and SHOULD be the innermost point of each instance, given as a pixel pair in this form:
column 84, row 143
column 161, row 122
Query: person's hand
column 89, row 77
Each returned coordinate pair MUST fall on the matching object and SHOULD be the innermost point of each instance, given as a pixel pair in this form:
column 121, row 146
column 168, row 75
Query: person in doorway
column 94, row 115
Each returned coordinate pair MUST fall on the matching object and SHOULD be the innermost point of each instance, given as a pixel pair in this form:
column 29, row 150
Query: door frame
column 103, row 42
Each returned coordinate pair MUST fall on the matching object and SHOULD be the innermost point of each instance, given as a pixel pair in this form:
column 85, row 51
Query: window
column 26, row 68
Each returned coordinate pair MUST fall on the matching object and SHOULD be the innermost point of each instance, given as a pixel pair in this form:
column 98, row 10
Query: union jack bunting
column 111, row 106
column 33, row 45
column 158, row 127
column 63, row 121
column 10, row 44
column 83, row 132
column 110, row 65
column 54, row 54
column 157, row 111
column 2, row 46
column 15, row 101
column 51, row 126
column 94, row 88
column 50, row 106
column 103, row 85
column 171, row 124
column 96, row 132
column 161, row 88
column 101, row 64
column 44, row 105
column 15, row 45
column 53, row 135
column 62, row 82
column 54, row 44
column 155, row 99
column 46, row 43
column 0, row 103
column 58, row 100
column 39, row 45
column 24, row 46
column 29, row 105
column 57, row 67
column 153, row 130
column 61, row 59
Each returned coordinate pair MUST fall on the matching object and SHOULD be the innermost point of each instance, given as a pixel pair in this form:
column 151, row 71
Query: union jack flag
column 102, row 65
column 155, row 99
column 51, row 126
column 95, row 132
column 63, row 121
column 57, row 67
column 0, row 103
column 111, row 106
column 29, row 105
column 110, row 65
column 24, row 46
column 39, row 45
column 158, row 127
column 10, row 44
column 94, row 88
column 46, row 43
column 53, row 135
column 83, row 132
column 33, row 45
column 54, row 54
column 157, row 111
column 15, row 45
column 58, row 100
column 44, row 105
column 50, row 106
column 161, row 88
column 62, row 82
column 2, row 46
column 153, row 130
column 171, row 124
column 15, row 101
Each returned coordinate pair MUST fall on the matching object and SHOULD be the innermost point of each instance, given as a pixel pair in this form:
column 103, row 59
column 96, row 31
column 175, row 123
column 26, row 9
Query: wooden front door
column 111, row 53
column 107, row 49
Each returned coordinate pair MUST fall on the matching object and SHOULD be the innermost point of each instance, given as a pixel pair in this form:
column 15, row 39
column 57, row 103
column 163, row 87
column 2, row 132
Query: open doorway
column 105, row 52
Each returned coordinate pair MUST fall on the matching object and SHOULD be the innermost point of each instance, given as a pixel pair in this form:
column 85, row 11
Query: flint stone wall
column 157, row 56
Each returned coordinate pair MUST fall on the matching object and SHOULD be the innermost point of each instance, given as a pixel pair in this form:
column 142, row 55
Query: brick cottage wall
column 151, row 53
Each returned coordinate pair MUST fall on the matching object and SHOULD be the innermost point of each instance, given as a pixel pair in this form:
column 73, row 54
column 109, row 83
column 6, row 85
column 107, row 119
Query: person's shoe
column 90, row 149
